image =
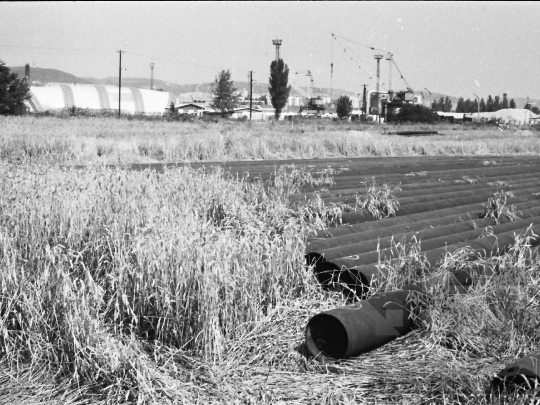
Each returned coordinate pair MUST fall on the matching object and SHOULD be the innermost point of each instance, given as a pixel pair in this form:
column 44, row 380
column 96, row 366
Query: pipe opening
column 356, row 282
column 326, row 335
column 511, row 383
column 326, row 273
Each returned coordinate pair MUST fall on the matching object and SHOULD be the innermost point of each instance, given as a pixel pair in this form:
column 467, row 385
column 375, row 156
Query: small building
column 256, row 113
column 453, row 116
column 190, row 108
column 294, row 101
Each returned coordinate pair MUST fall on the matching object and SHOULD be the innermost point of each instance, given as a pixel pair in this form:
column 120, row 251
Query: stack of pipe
column 354, row 170
column 444, row 215
column 435, row 209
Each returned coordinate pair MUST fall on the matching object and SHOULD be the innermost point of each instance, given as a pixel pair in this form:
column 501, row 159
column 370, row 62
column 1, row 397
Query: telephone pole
column 378, row 59
column 120, row 81
column 364, row 102
column 331, row 81
column 250, row 92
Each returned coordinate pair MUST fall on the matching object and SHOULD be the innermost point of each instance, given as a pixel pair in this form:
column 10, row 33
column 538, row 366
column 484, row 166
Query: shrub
column 343, row 107
column 379, row 201
column 13, row 92
column 412, row 113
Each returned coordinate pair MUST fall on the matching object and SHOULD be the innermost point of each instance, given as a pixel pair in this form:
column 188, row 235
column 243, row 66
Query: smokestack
column 27, row 73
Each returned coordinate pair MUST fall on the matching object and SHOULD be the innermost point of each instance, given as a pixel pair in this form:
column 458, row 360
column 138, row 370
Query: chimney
column 27, row 73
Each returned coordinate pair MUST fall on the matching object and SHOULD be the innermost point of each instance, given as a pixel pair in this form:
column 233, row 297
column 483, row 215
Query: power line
column 358, row 43
column 56, row 49
column 128, row 52
column 120, row 52
column 359, row 63
column 180, row 62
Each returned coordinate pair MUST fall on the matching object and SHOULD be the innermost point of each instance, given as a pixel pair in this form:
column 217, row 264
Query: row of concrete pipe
column 438, row 192
column 350, row 258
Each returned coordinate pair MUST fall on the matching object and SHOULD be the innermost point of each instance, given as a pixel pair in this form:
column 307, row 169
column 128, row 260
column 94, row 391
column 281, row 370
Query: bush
column 412, row 113
column 343, row 107
column 13, row 92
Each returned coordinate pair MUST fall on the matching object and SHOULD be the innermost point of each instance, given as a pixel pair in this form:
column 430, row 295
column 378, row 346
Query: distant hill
column 50, row 75
column 57, row 76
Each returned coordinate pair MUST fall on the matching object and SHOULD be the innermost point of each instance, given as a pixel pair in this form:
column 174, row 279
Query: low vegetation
column 191, row 287
column 379, row 201
column 497, row 206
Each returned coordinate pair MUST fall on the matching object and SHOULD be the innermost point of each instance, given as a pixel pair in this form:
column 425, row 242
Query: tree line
column 492, row 104
column 443, row 104
column 471, row 106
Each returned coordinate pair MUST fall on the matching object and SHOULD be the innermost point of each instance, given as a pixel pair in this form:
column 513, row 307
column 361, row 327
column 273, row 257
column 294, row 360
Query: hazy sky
column 456, row 48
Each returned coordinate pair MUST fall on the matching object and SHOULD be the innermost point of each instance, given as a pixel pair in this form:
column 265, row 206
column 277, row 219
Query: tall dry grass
column 108, row 140
column 98, row 265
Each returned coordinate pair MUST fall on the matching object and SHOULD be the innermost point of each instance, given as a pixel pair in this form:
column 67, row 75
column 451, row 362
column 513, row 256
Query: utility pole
column 120, row 81
column 364, row 105
column 478, row 106
column 250, row 92
column 331, row 81
column 378, row 58
column 152, row 75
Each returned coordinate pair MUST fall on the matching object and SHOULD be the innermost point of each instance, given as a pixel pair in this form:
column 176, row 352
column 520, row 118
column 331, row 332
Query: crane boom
column 310, row 82
column 336, row 37
column 409, row 89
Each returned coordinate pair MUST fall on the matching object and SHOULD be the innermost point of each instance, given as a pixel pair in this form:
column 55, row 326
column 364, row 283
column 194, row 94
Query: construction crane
column 392, row 61
column 311, row 103
column 346, row 48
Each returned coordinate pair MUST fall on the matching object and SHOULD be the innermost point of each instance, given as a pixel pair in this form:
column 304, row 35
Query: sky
column 454, row 48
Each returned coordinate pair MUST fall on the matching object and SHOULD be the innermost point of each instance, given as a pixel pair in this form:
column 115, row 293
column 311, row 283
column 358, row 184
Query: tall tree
column 497, row 103
column 447, row 105
column 467, row 106
column 13, row 92
column 505, row 101
column 278, row 85
column 343, row 107
column 440, row 105
column 474, row 106
column 489, row 104
column 512, row 104
column 483, row 105
column 225, row 97
column 460, row 107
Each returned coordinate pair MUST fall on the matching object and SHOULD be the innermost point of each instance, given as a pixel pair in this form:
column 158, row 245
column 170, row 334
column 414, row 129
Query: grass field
column 191, row 287
column 107, row 140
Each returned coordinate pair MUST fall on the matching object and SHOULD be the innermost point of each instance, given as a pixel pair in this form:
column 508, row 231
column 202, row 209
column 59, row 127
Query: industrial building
column 96, row 97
